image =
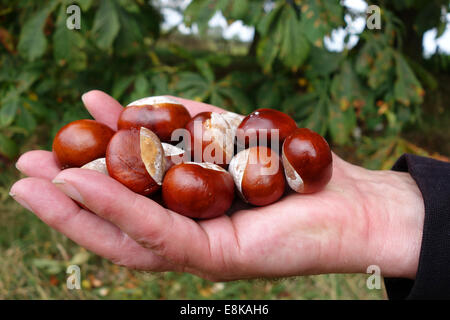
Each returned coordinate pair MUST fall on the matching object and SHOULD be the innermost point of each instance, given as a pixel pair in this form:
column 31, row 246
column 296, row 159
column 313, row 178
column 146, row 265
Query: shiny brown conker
column 198, row 190
column 258, row 175
column 307, row 161
column 211, row 137
column 135, row 158
column 256, row 128
column 81, row 142
column 160, row 114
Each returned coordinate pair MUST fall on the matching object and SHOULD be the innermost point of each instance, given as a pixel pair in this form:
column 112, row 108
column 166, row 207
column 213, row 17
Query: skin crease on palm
column 361, row 218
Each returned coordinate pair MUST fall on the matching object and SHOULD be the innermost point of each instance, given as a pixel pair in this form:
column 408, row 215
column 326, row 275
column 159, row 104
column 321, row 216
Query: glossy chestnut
column 135, row 158
column 160, row 114
column 80, row 142
column 211, row 137
column 198, row 190
column 258, row 175
column 256, row 128
column 307, row 160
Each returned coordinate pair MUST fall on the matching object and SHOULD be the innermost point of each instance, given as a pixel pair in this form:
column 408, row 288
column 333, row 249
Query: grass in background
column 34, row 258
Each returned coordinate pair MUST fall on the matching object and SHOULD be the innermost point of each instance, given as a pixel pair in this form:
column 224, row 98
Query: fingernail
column 68, row 189
column 21, row 201
column 83, row 96
column 18, row 167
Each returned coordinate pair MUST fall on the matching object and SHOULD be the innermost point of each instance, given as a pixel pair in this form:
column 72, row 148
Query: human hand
column 361, row 218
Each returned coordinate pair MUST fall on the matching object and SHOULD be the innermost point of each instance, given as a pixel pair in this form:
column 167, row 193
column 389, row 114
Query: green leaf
column 268, row 95
column 205, row 69
column 381, row 70
column 366, row 57
column 424, row 75
column 271, row 30
column 26, row 79
column 322, row 63
column 106, row 24
column 200, row 12
column 8, row 69
column 25, row 120
column 253, row 14
column 141, row 88
column 267, row 22
column 267, row 52
column 130, row 5
column 38, row 109
column 32, row 41
column 8, row 147
column 195, row 93
column 219, row 59
column 240, row 102
column 193, row 86
column 300, row 106
column 407, row 88
column 160, row 83
column 282, row 37
column 190, row 79
column 141, row 84
column 121, row 85
column 240, row 9
column 346, row 87
column 294, row 46
column 217, row 100
column 8, row 110
column 341, row 123
column 84, row 4
column 317, row 121
column 45, row 85
column 319, row 17
column 129, row 39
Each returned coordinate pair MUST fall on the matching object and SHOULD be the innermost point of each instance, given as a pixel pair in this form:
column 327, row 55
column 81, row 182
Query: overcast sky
column 335, row 42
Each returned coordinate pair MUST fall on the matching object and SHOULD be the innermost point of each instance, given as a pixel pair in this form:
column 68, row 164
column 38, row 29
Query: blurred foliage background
column 373, row 101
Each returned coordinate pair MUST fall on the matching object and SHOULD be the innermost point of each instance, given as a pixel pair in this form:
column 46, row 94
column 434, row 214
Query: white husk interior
column 97, row 165
column 153, row 101
column 208, row 165
column 293, row 178
column 171, row 150
column 150, row 142
column 222, row 132
column 234, row 120
column 237, row 167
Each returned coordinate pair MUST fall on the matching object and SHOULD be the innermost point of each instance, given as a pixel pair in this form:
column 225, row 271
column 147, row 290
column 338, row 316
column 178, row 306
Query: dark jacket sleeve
column 433, row 274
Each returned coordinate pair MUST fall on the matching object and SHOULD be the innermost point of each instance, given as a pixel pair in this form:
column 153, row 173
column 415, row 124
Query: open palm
column 359, row 219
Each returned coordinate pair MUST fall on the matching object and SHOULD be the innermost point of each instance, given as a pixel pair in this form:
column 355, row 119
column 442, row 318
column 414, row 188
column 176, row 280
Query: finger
column 195, row 107
column 39, row 164
column 144, row 220
column 88, row 230
column 102, row 107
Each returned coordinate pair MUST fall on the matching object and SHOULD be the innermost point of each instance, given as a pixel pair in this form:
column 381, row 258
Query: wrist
column 397, row 215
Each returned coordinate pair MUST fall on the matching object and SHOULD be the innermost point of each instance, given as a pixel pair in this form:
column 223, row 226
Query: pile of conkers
column 219, row 154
